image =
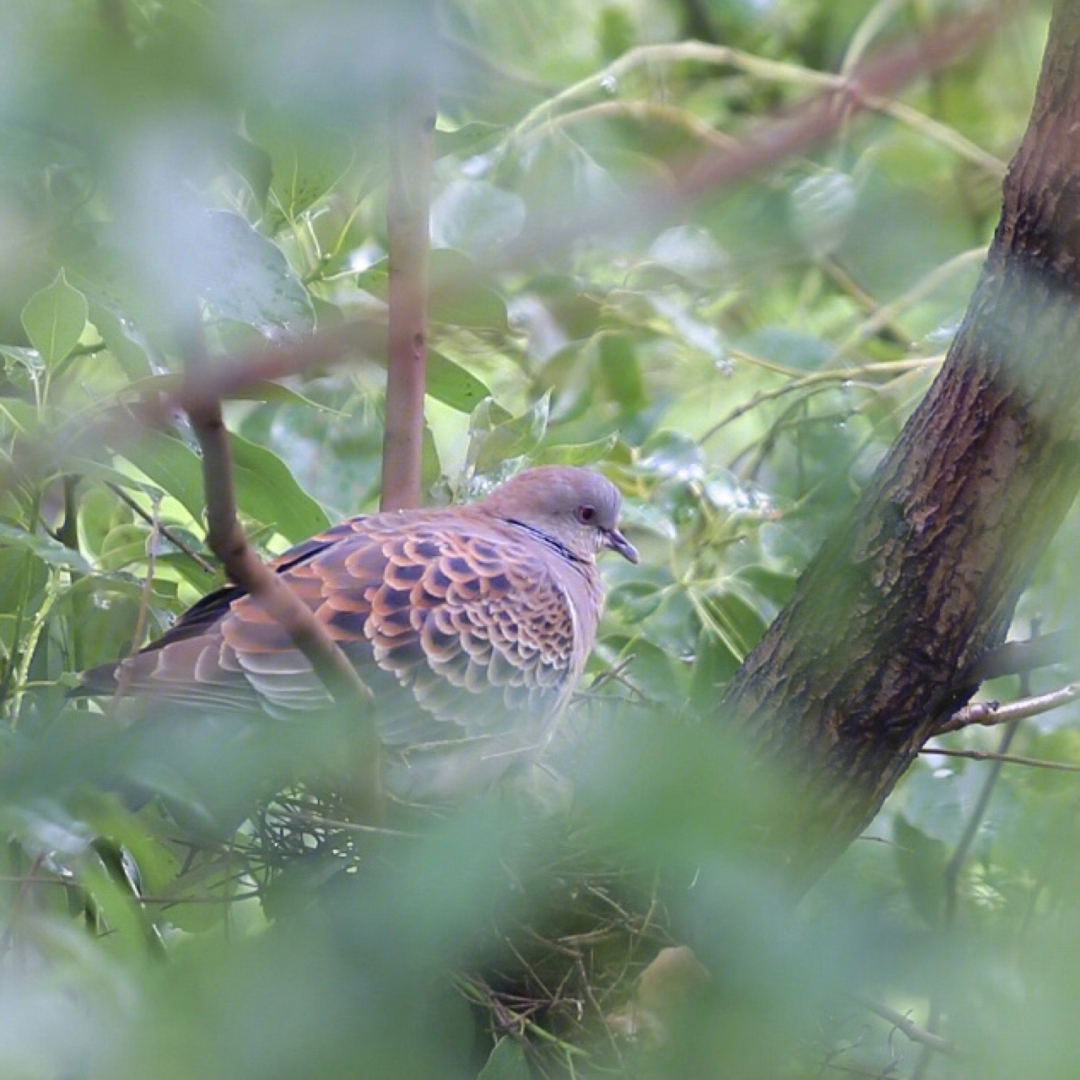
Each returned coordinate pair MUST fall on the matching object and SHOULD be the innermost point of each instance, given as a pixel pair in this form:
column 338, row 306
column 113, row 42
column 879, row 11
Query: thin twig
column 885, row 369
column 1008, row 759
column 959, row 856
column 124, row 672
column 165, row 531
column 902, row 1022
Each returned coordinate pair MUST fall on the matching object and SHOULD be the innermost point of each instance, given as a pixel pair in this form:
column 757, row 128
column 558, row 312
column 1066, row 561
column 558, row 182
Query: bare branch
column 903, row 1022
column 1015, row 657
column 157, row 526
column 227, row 540
column 207, row 384
column 991, row 713
column 1007, row 759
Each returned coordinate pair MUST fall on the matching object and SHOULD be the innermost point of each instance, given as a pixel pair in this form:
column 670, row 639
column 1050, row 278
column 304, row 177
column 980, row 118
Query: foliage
column 737, row 367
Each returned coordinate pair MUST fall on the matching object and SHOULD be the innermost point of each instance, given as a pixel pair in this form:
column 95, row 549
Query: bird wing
column 452, row 608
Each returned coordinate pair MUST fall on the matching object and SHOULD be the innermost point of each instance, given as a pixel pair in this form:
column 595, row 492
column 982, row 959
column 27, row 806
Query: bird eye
column 585, row 514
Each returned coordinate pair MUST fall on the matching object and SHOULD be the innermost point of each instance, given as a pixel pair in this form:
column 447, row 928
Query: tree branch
column 991, row 713
column 412, row 140
column 228, row 541
column 905, row 1024
column 860, row 668
column 1007, row 759
column 1015, row 657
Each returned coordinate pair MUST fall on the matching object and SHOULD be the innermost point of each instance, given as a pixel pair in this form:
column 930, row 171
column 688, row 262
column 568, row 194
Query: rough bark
column 865, row 662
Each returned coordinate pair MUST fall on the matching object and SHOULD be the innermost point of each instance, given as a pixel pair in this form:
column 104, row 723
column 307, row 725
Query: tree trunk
column 867, row 660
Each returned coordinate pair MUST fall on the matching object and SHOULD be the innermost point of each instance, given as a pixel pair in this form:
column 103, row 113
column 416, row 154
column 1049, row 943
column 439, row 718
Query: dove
column 470, row 624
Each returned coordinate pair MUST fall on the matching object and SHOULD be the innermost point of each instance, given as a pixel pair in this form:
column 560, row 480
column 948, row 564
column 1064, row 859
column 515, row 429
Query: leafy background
column 738, row 368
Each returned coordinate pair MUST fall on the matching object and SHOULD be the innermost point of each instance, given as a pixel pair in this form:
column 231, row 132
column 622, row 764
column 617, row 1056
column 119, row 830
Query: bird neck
column 552, row 542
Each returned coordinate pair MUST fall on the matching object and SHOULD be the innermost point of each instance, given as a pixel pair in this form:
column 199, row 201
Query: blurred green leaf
column 921, row 862
column 475, row 216
column 673, row 454
column 493, row 440
column 54, row 319
column 577, row 453
column 822, row 207
column 507, row 1061
column 132, row 349
column 620, row 370
column 304, row 163
column 248, row 279
column 50, row 551
column 468, row 139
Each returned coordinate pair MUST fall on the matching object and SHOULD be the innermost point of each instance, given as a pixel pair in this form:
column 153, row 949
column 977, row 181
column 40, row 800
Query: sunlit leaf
column 174, row 467
column 303, row 163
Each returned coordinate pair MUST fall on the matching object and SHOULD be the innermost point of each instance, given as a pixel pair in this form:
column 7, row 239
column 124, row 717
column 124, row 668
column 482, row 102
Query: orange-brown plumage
column 470, row 624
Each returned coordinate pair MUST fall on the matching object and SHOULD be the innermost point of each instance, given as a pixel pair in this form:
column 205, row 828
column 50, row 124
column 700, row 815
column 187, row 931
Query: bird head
column 576, row 508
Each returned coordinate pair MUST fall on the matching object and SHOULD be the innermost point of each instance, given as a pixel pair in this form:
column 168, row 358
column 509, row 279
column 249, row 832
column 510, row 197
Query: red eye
column 585, row 514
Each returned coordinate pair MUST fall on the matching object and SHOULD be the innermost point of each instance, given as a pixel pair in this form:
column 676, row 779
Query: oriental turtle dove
column 470, row 624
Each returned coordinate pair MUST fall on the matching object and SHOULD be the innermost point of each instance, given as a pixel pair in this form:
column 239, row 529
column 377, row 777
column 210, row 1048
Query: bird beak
column 617, row 542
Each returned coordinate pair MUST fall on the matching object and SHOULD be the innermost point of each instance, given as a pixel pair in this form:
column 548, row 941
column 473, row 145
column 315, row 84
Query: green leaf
column 619, row 368
column 492, row 440
column 124, row 545
column 47, row 549
column 466, row 140
column 54, row 319
column 248, row 279
column 578, row 453
column 22, row 573
column 507, row 1061
column 29, row 360
column 451, row 384
column 17, row 417
column 673, row 454
column 792, row 348
column 456, row 287
column 458, row 295
column 267, row 491
column 732, row 617
column 475, row 216
column 130, row 348
column 304, row 163
column 822, row 207
column 174, row 467
column 921, row 861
